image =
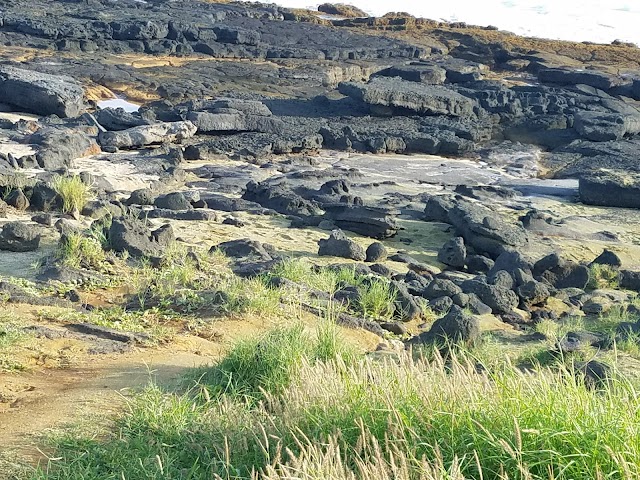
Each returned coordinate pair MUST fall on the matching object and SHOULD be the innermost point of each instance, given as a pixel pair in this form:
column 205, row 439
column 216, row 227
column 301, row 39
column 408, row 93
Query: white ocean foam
column 578, row 20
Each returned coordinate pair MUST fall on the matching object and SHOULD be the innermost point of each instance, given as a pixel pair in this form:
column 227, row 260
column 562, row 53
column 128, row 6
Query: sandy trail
column 50, row 399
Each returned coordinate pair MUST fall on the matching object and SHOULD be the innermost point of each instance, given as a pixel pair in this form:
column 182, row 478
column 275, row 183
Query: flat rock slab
column 41, row 93
column 416, row 97
column 169, row 132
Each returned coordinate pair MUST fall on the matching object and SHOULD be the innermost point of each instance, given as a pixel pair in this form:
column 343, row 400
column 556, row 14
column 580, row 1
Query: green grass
column 79, row 251
column 603, row 276
column 401, row 418
column 151, row 322
column 269, row 363
column 376, row 299
column 12, row 336
column 72, row 191
column 325, row 279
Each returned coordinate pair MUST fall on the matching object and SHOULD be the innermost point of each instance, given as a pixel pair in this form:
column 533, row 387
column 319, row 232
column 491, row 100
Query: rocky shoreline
column 469, row 177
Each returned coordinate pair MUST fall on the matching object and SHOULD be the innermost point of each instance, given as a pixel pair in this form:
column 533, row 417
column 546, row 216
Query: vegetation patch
column 327, row 415
column 73, row 192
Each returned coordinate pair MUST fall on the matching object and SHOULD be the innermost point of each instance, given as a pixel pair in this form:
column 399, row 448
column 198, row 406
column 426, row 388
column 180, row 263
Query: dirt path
column 49, row 399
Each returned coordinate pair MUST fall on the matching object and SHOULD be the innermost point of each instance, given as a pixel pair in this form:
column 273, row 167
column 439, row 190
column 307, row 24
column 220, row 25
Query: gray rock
column 246, row 249
column 368, row 221
column 406, row 306
column 45, row 219
column 415, row 97
column 441, row 305
column 477, row 306
column 567, row 274
column 610, row 189
column 207, row 122
column 596, row 305
column 548, row 262
column 499, row 299
column 453, row 253
column 119, row 119
column 608, row 257
column 604, row 127
column 339, row 245
column 510, row 261
column 17, row 200
column 441, row 288
column 503, row 279
column 137, row 137
column 41, row 93
column 173, row 201
column 630, row 279
column 564, row 76
column 457, row 326
column 533, row 293
column 479, row 264
column 19, row 237
column 395, row 327
column 376, row 252
column 136, row 238
column 142, row 196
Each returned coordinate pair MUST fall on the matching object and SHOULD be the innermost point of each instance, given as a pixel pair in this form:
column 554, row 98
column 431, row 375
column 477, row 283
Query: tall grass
column 269, row 363
column 401, row 418
column 79, row 251
column 376, row 299
column 73, row 192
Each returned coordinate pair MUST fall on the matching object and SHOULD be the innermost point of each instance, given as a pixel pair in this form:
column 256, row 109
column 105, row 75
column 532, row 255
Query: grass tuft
column 72, row 191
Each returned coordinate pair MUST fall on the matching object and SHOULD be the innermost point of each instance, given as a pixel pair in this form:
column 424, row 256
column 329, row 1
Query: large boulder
column 41, row 93
column 609, row 188
column 399, row 95
column 604, row 127
column 19, row 237
column 564, row 76
column 563, row 273
column 207, row 122
column 246, row 249
column 136, row 237
column 368, row 221
column 483, row 229
column 339, row 245
column 348, row 11
column 453, row 253
column 498, row 298
column 119, row 119
column 281, row 198
column 456, row 326
column 406, row 305
column 136, row 137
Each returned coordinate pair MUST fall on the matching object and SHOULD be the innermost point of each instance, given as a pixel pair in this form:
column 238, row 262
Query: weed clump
column 73, row 192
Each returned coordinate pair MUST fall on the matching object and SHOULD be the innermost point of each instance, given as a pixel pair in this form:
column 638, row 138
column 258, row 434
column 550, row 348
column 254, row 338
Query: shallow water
column 578, row 20
column 119, row 103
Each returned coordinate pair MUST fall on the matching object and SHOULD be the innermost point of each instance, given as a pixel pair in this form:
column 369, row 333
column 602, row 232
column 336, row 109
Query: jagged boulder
column 498, row 298
column 246, row 249
column 418, row 98
column 609, row 188
column 339, row 245
column 453, row 253
column 136, row 237
column 457, row 326
column 207, row 122
column 19, row 237
column 137, row 137
column 368, row 221
column 41, row 93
